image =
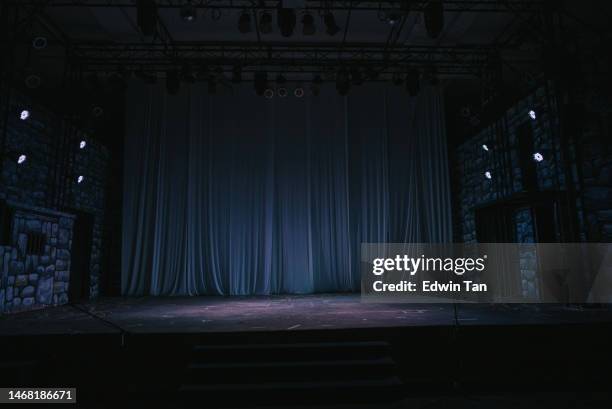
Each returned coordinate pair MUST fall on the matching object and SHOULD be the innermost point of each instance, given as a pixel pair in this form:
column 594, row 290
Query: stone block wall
column 48, row 181
column 471, row 187
column 36, row 279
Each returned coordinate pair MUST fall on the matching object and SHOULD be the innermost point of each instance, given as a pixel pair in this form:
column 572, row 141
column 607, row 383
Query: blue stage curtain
column 238, row 194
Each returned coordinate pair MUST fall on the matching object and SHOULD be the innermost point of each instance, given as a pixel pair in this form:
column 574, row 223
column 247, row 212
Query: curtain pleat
column 238, row 195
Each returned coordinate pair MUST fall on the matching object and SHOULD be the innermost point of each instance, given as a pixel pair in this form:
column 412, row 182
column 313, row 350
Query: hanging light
column 188, row 12
column 330, row 23
column 309, row 25
column 286, row 21
column 244, row 22
column 265, row 23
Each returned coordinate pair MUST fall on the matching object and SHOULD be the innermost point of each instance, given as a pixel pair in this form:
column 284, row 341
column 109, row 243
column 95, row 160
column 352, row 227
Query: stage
column 192, row 315
column 316, row 347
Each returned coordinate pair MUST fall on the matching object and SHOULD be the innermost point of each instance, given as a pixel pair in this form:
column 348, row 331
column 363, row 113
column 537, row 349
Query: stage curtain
column 236, row 194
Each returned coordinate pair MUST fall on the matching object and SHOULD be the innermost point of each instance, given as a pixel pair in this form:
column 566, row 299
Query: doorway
column 80, row 260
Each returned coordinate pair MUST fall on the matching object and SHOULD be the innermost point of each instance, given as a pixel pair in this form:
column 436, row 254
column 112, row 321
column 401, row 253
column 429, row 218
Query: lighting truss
column 282, row 57
column 490, row 6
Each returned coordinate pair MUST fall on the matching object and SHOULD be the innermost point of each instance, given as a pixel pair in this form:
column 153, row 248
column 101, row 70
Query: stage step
column 291, row 372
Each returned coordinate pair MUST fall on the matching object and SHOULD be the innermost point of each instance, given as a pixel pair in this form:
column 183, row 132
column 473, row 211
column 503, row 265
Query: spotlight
column 260, row 82
column 532, row 114
column 39, row 43
column 244, row 23
column 393, row 18
column 146, row 11
column 173, row 83
column 343, row 85
column 488, row 175
column 25, row 114
column 286, row 21
column 434, row 18
column 485, row 147
column 80, row 179
column 282, row 92
column 413, row 82
column 269, row 93
column 309, row 26
column 298, row 92
column 265, row 23
column 82, row 144
column 237, row 74
column 188, row 13
column 538, row 157
column 330, row 24
column 21, row 159
column 97, row 111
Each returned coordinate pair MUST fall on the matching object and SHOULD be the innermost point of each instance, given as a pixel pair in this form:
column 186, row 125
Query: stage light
column 343, row 85
column 33, row 81
column 80, row 179
column 298, row 92
column 532, row 115
column 269, row 93
column 97, row 111
column 485, row 147
column 25, row 114
column 146, row 15
column 434, row 18
column 244, row 22
column 21, row 159
column 188, row 12
column 538, row 157
column 393, row 18
column 413, row 85
column 309, row 25
column 237, row 74
column 282, row 92
column 39, row 43
column 488, row 175
column 82, row 144
column 330, row 24
column 173, row 83
column 286, row 21
column 265, row 23
column 261, row 82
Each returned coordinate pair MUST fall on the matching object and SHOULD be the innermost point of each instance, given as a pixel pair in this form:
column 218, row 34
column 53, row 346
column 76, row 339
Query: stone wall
column 472, row 188
column 48, row 181
column 36, row 279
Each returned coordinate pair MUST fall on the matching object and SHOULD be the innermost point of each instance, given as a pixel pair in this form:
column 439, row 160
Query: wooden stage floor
column 149, row 315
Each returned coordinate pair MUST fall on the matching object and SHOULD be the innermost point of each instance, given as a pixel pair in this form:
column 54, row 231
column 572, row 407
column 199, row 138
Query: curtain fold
column 237, row 194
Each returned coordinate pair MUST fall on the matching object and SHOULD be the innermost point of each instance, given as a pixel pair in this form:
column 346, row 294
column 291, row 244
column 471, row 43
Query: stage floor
column 150, row 315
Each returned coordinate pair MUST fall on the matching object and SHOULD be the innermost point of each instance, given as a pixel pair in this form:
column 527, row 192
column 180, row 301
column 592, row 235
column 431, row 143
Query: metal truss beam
column 485, row 6
column 296, row 57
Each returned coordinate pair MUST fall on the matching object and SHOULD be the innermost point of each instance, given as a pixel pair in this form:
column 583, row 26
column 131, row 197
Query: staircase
column 290, row 373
